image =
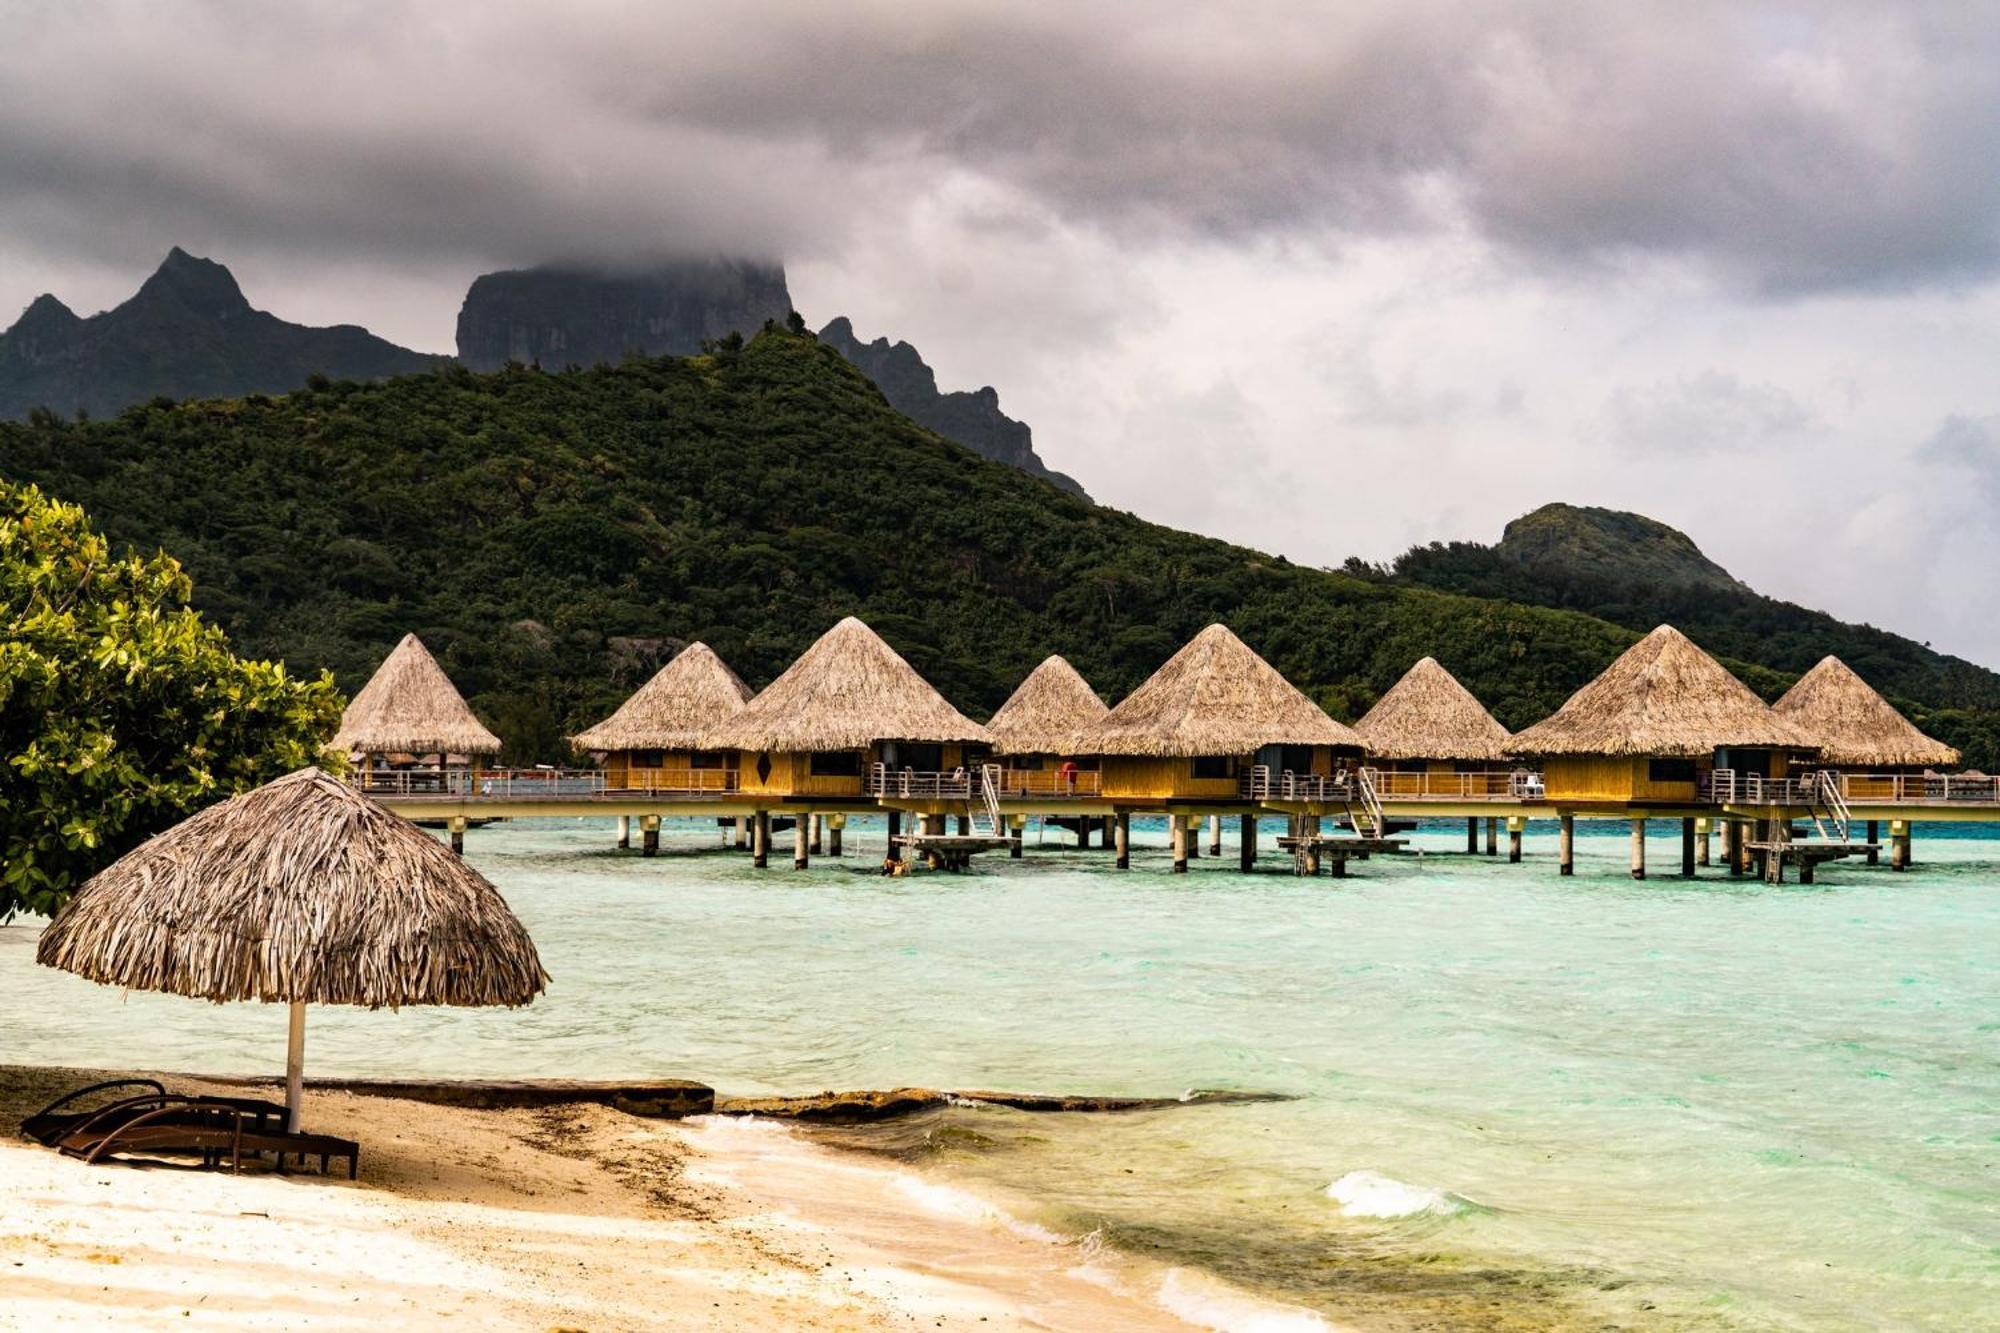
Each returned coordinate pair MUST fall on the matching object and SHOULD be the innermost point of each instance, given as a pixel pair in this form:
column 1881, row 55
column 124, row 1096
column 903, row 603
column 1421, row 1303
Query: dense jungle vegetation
column 555, row 536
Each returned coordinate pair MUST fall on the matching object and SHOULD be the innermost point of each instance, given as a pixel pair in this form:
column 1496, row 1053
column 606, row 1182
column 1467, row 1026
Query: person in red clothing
column 1068, row 775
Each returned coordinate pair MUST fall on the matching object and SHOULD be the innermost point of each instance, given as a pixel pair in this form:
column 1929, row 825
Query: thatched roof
column 669, row 712
column 1663, row 696
column 845, row 692
column 1429, row 715
column 409, row 704
column 300, row 891
column 1047, row 713
column 1855, row 726
column 1213, row 697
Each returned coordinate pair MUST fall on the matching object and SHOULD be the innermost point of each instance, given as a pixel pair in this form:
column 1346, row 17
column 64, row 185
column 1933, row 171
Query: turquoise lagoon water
column 1518, row 1100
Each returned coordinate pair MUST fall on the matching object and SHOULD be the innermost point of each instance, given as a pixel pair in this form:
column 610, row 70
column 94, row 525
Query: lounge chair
column 51, row 1123
column 209, row 1128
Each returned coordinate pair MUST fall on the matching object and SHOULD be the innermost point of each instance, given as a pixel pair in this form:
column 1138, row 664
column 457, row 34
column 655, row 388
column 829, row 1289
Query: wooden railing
column 1047, row 784
column 1518, row 784
column 502, row 783
column 911, row 784
column 1919, row 788
column 675, row 780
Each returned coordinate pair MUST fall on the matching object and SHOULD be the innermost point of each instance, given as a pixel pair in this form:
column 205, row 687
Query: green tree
column 121, row 710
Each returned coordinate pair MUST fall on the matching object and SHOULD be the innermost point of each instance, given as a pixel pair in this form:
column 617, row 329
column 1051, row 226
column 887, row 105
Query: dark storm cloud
column 1785, row 147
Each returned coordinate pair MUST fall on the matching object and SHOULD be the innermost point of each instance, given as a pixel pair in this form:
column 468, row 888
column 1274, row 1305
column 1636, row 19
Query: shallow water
column 1520, row 1099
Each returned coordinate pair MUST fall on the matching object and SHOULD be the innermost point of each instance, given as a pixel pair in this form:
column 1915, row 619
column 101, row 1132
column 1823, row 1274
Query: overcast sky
column 1329, row 279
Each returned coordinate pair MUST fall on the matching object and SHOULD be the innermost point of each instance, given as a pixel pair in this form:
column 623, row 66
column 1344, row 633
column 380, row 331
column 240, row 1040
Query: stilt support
column 1516, row 826
column 1702, row 828
column 458, row 836
column 1122, row 833
column 1687, row 848
column 802, row 841
column 1017, row 825
column 624, row 830
column 1874, row 843
column 819, row 835
column 1215, row 835
column 742, row 834
column 1566, row 846
column 649, row 835
column 1180, row 837
column 895, row 852
column 835, row 826
column 1472, row 836
column 1638, row 849
column 1899, row 844
column 1246, row 844
column 760, row 840
column 1492, row 836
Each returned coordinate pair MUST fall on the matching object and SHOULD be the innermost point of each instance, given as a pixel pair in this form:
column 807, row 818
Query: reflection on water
column 1522, row 1099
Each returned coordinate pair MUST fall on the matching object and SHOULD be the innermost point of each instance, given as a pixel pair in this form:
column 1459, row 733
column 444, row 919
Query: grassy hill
column 554, row 536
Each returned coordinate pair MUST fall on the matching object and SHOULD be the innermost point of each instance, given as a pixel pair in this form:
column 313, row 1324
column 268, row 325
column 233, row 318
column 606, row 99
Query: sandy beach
column 572, row 1217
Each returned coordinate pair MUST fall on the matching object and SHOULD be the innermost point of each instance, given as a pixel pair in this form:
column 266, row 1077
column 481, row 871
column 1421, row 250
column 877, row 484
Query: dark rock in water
column 853, row 1108
column 558, row 316
column 187, row 333
column 837, row 1108
column 971, row 419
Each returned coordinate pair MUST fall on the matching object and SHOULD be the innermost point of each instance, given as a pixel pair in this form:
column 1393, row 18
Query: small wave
column 1371, row 1194
column 1207, row 1303
column 964, row 1206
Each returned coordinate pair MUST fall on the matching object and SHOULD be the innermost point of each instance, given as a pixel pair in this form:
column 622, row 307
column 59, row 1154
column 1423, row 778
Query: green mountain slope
column 1636, row 572
column 553, row 536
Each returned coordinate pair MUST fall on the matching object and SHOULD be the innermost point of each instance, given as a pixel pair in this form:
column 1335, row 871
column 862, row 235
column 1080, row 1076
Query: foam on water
column 1370, row 1194
column 964, row 1206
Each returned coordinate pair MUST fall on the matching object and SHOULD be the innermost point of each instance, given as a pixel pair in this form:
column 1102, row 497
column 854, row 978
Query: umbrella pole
column 295, row 1068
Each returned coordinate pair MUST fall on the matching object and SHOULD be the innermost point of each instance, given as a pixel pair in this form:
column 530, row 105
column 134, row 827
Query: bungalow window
column 649, row 758
column 1670, row 770
column 1212, row 766
column 1026, row 763
column 709, row 759
column 837, row 764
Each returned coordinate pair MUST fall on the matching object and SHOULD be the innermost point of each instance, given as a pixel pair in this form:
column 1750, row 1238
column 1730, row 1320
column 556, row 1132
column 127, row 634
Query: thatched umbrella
column 410, row 705
column 672, row 710
column 300, row 892
column 1214, row 697
column 1429, row 715
column 846, row 692
column 1047, row 713
column 1663, row 697
column 1855, row 726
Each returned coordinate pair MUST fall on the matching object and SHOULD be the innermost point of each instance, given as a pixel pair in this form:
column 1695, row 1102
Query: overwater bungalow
column 409, row 729
column 653, row 742
column 1038, row 734
column 1429, row 737
column 1218, row 724
column 850, row 720
column 1664, row 730
column 1860, row 734
column 1875, row 754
